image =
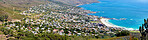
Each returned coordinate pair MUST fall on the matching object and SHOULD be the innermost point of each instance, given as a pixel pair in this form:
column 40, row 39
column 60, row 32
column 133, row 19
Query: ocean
column 129, row 13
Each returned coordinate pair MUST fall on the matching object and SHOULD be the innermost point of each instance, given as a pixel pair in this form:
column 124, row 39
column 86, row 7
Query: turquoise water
column 135, row 11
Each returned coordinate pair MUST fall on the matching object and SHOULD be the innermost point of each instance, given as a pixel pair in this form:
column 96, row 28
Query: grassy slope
column 135, row 34
column 13, row 7
column 12, row 14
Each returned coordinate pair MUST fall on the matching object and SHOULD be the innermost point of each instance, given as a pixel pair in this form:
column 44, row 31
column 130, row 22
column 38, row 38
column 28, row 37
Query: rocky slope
column 77, row 2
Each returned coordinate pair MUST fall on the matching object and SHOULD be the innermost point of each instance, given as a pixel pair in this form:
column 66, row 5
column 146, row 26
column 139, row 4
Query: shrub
column 3, row 17
column 123, row 33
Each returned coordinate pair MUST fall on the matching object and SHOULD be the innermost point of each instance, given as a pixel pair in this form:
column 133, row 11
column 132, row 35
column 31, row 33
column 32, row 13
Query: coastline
column 106, row 22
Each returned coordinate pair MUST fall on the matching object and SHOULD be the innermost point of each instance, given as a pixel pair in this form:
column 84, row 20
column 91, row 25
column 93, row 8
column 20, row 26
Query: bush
column 123, row 33
column 136, row 39
column 3, row 17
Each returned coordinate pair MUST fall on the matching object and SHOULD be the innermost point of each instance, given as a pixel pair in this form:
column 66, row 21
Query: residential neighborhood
column 62, row 20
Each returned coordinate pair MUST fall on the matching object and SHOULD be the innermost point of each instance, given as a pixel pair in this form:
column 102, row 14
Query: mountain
column 12, row 8
column 77, row 2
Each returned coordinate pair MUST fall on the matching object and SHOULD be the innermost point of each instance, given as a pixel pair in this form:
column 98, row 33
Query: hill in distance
column 78, row 2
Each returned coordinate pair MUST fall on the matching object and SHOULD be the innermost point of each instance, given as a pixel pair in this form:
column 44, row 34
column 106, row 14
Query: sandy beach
column 107, row 23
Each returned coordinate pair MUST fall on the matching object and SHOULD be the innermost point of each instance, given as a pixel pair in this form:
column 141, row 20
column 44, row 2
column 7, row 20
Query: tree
column 143, row 30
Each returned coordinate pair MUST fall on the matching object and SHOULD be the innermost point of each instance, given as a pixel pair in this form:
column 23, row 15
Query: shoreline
column 106, row 22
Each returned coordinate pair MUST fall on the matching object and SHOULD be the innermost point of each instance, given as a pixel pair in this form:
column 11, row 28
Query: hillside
column 77, row 2
column 13, row 7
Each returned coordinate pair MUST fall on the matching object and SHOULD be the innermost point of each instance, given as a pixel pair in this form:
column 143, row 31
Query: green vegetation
column 13, row 7
column 1, row 32
column 144, row 30
column 64, row 22
column 2, row 36
column 135, row 38
column 3, row 17
column 135, row 31
column 28, row 35
column 123, row 33
column 18, row 33
column 11, row 14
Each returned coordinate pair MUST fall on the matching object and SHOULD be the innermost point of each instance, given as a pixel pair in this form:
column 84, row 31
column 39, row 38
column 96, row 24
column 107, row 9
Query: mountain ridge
column 78, row 2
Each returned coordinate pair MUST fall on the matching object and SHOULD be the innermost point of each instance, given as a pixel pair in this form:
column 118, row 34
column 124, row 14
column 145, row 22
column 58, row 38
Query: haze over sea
column 135, row 11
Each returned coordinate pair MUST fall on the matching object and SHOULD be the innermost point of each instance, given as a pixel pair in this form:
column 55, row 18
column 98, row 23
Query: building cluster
column 61, row 19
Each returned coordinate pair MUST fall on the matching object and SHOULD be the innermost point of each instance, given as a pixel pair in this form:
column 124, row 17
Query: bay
column 134, row 11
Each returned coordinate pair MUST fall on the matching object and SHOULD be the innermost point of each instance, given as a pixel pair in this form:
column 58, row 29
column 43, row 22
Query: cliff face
column 77, row 2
